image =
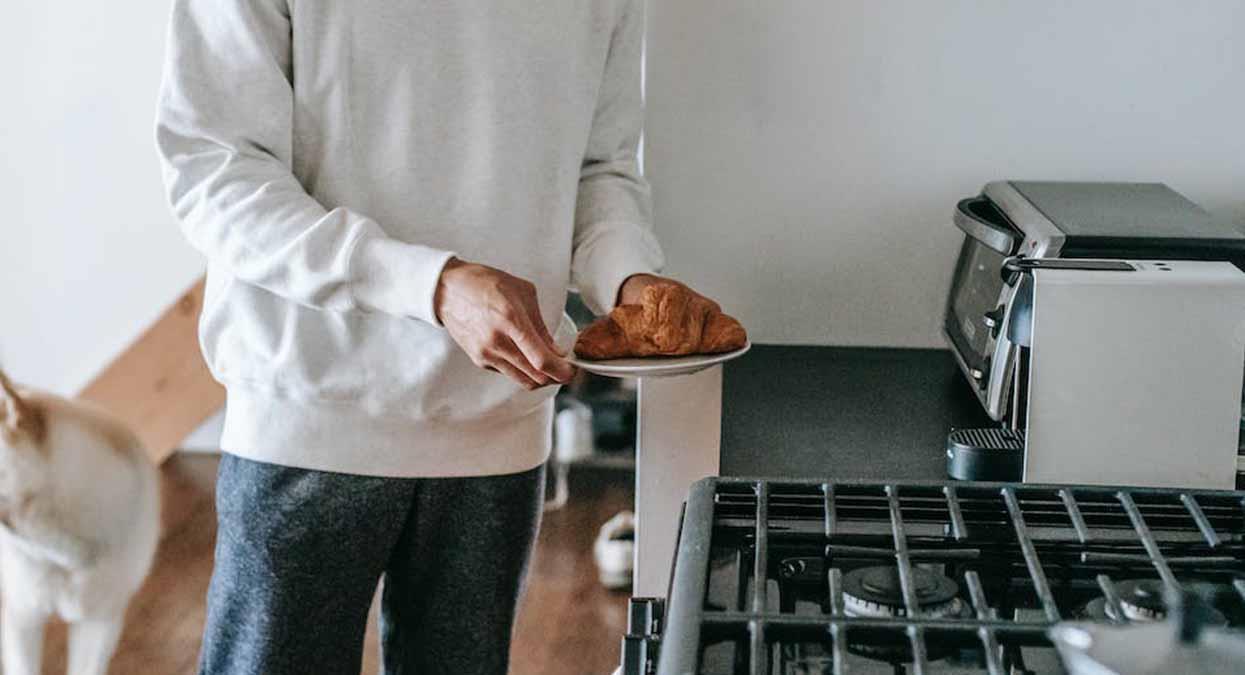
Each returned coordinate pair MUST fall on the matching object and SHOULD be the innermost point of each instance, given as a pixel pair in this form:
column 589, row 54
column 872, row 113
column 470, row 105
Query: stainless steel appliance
column 812, row 577
column 1103, row 326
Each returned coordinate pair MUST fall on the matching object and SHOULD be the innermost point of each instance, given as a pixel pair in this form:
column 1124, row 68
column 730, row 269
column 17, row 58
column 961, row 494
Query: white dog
column 79, row 524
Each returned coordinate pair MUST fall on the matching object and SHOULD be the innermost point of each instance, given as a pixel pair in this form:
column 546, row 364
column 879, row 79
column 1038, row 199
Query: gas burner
column 1141, row 600
column 876, row 592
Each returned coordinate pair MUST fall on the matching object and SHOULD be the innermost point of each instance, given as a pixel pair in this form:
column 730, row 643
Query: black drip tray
column 989, row 454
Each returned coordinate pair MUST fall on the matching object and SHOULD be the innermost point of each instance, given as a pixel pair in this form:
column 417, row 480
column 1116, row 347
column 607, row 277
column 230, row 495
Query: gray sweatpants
column 299, row 554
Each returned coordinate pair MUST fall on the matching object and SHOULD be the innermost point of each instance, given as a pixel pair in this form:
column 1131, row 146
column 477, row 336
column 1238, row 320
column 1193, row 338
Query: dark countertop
column 846, row 412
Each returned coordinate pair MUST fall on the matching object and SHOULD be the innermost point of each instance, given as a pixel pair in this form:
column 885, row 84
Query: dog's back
column 79, row 504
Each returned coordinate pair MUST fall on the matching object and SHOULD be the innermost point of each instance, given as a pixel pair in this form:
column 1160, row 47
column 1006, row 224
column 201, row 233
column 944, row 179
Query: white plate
column 658, row 366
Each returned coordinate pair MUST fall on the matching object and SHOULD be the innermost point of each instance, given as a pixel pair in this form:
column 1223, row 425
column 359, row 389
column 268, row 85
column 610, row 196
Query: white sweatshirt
column 328, row 157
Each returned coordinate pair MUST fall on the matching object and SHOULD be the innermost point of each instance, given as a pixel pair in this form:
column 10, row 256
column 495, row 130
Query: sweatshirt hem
column 334, row 438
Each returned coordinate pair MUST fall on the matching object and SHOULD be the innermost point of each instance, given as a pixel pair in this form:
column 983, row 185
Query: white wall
column 806, row 154
column 89, row 254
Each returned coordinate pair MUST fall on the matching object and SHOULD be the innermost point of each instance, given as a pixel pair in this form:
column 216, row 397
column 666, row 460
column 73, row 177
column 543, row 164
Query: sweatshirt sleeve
column 224, row 133
column 613, row 219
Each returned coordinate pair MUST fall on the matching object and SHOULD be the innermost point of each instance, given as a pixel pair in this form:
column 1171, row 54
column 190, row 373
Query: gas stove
column 811, row 577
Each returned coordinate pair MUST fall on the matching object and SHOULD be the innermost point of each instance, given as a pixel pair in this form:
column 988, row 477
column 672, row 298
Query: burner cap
column 1141, row 600
column 877, row 592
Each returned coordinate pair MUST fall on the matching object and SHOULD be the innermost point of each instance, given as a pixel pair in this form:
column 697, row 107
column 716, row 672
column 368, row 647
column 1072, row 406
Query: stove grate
column 760, row 567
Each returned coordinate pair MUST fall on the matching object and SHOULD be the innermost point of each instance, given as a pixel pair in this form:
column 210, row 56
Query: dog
column 79, row 526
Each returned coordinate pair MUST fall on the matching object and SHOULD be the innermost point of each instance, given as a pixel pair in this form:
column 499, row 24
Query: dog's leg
column 21, row 638
column 91, row 644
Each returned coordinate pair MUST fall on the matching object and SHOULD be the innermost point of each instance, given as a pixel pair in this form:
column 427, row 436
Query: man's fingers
column 538, row 322
column 505, row 367
column 540, row 354
column 515, row 356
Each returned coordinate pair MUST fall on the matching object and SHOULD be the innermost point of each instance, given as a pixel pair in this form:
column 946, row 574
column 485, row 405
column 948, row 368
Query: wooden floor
column 568, row 624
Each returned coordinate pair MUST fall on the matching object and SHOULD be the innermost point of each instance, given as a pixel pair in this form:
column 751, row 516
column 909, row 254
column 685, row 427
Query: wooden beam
column 160, row 385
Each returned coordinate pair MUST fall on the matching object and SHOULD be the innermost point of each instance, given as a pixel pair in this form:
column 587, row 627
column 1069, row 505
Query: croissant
column 669, row 321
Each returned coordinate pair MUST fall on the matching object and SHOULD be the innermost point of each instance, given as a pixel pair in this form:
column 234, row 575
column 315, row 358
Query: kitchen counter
column 846, row 412
column 880, row 414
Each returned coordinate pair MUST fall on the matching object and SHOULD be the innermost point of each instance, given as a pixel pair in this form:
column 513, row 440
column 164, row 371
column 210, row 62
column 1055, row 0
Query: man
column 393, row 196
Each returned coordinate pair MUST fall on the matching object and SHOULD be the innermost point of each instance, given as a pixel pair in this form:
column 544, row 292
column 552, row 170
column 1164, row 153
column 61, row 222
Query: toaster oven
column 1016, row 232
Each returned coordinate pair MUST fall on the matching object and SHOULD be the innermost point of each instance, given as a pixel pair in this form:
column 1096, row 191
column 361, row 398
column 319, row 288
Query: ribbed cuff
column 397, row 278
column 615, row 254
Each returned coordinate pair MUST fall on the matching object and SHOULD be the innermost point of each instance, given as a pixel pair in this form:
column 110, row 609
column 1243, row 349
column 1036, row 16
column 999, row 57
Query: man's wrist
column 438, row 295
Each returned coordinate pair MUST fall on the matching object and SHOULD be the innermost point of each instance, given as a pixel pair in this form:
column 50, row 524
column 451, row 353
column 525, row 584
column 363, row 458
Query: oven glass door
column 975, row 290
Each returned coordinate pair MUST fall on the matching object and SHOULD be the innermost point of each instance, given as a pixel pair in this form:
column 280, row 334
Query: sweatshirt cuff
column 397, row 278
column 601, row 269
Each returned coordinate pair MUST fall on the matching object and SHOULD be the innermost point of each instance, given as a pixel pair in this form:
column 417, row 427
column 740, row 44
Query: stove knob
column 793, row 568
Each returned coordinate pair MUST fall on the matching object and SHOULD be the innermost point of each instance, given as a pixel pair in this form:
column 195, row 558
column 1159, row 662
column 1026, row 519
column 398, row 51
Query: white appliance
column 1134, row 374
column 1103, row 326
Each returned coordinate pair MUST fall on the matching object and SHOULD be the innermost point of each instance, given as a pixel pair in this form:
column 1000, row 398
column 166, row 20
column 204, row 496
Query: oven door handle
column 1011, row 336
column 1019, row 315
column 994, row 235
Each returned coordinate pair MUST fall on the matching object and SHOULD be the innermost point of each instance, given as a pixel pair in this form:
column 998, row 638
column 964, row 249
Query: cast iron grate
column 761, row 569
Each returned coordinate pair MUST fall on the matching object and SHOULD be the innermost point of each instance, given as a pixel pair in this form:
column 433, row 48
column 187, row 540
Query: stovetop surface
column 803, row 577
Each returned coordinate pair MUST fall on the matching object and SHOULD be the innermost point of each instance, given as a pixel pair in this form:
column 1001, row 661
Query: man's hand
column 496, row 320
column 631, row 290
